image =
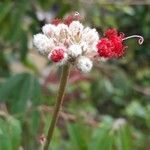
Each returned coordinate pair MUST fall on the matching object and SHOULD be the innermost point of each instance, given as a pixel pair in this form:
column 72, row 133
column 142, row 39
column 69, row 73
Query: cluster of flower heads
column 68, row 41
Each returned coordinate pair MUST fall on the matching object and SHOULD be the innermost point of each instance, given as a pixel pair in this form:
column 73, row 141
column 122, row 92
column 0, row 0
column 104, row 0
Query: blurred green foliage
column 108, row 111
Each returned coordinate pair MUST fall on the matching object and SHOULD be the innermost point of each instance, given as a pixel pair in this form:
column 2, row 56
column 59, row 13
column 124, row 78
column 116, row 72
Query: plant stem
column 59, row 101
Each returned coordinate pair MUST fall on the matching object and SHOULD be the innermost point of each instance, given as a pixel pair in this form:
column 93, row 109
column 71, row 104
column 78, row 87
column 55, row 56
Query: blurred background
column 107, row 109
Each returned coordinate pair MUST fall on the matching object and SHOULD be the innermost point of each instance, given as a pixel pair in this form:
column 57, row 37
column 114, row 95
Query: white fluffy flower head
column 78, row 43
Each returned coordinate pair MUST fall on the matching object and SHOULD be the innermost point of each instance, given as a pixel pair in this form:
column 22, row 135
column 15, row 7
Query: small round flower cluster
column 68, row 41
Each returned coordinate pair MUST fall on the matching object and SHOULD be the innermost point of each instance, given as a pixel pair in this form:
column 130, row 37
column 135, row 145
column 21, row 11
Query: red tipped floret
column 57, row 55
column 68, row 20
column 71, row 18
column 56, row 21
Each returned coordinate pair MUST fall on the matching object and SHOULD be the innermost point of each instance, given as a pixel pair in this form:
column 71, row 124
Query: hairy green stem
column 59, row 101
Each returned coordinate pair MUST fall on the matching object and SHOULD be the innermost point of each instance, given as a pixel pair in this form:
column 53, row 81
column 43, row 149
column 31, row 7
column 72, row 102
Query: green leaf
column 14, row 132
column 4, row 68
column 124, row 138
column 5, row 143
column 23, row 46
column 135, row 109
column 147, row 115
column 4, row 10
column 102, row 138
column 8, row 86
column 79, row 136
column 20, row 90
column 10, row 133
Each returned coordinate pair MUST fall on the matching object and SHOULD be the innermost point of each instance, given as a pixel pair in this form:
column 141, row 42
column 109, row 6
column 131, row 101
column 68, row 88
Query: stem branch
column 59, row 101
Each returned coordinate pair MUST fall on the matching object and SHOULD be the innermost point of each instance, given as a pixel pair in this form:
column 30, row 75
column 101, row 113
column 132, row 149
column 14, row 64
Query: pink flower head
column 111, row 46
column 57, row 55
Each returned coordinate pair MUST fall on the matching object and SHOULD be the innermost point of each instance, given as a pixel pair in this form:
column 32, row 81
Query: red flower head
column 57, row 55
column 111, row 46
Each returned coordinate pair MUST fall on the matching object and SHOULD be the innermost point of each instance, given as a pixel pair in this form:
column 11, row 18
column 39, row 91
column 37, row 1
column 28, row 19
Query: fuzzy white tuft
column 84, row 64
column 75, row 28
column 43, row 43
column 91, row 37
column 74, row 50
column 49, row 30
column 62, row 29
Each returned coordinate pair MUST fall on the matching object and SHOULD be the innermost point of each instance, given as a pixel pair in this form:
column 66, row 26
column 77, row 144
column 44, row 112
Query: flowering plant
column 67, row 42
